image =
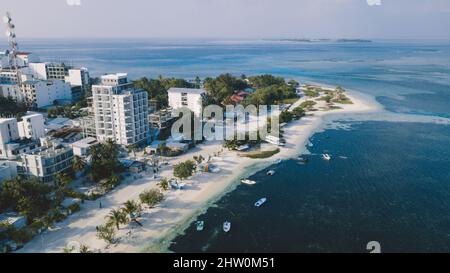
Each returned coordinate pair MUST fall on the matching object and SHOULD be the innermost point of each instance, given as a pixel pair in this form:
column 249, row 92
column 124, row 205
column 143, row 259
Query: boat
column 271, row 173
column 248, row 182
column 302, row 159
column 200, row 225
column 278, row 161
column 326, row 157
column 260, row 202
column 226, row 226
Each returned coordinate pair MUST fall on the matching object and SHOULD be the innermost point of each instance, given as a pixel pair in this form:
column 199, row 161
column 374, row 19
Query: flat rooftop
column 186, row 90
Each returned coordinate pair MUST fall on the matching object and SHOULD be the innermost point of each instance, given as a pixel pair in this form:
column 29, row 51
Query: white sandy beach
column 162, row 224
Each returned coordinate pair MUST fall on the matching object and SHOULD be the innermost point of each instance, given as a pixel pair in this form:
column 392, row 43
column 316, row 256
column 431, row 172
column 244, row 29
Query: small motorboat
column 260, row 202
column 200, row 225
column 271, row 173
column 226, row 226
column 302, row 159
column 248, row 182
column 326, row 157
column 278, row 161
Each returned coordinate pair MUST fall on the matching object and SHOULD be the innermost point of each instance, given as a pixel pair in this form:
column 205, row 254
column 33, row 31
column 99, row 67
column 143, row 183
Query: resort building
column 187, row 97
column 47, row 161
column 83, row 146
column 49, row 71
column 79, row 82
column 120, row 111
column 11, row 90
column 32, row 126
column 87, row 125
column 161, row 119
column 38, row 93
column 77, row 78
column 9, row 132
column 11, row 145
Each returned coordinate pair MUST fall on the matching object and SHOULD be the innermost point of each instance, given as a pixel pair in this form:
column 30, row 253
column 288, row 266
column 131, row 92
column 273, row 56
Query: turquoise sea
column 387, row 182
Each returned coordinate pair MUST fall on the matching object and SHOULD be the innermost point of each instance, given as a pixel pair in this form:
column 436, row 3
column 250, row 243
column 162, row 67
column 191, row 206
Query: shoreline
column 164, row 223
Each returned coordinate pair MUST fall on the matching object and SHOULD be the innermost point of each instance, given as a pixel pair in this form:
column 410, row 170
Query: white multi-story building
column 47, row 161
column 39, row 93
column 77, row 78
column 120, row 111
column 11, row 145
column 186, row 97
column 11, row 90
column 8, row 131
column 32, row 126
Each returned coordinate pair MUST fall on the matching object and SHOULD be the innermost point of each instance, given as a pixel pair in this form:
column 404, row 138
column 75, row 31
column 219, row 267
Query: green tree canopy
column 184, row 169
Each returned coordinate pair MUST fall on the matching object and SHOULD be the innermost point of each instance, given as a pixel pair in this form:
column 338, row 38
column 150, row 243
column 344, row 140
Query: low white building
column 187, row 97
column 47, row 161
column 82, row 147
column 32, row 126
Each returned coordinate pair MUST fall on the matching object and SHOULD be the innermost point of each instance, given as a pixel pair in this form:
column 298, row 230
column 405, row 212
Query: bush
column 151, row 197
column 106, row 233
column 184, row 170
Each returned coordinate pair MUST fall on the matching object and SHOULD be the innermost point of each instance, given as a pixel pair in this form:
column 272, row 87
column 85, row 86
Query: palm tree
column 78, row 164
column 117, row 217
column 132, row 207
column 62, row 180
column 164, row 184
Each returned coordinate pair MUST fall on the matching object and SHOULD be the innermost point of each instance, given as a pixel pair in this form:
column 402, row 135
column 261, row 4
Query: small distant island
column 306, row 40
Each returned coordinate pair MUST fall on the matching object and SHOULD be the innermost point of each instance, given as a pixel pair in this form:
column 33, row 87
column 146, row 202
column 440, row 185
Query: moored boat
column 226, row 226
column 260, row 202
column 248, row 182
column 200, row 225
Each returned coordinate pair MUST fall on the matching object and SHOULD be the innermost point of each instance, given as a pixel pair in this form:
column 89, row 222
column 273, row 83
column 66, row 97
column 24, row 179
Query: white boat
column 200, row 225
column 271, row 173
column 226, row 226
column 326, row 157
column 278, row 161
column 260, row 202
column 248, row 182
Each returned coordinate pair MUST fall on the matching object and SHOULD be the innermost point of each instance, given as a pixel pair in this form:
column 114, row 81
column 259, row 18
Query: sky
column 223, row 19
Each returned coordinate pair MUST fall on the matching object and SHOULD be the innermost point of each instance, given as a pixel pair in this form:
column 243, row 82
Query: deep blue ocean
column 392, row 181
